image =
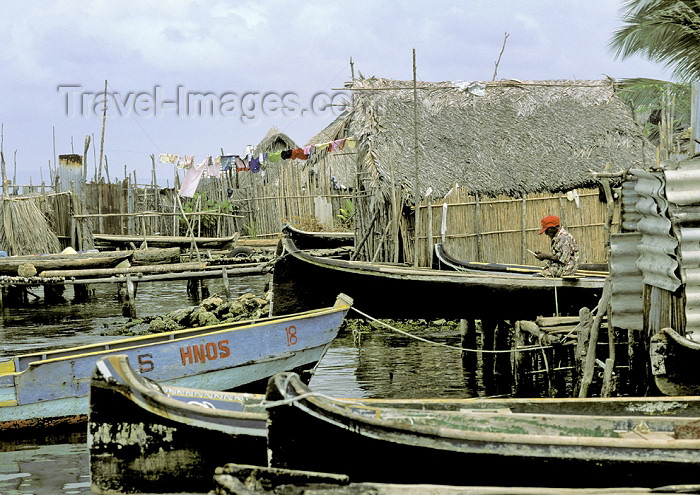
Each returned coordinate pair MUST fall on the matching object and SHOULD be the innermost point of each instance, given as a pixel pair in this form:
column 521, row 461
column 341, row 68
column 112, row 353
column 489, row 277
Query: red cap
column 550, row 221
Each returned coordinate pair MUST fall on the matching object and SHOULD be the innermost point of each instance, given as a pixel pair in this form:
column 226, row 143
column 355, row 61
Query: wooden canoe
column 301, row 281
column 445, row 261
column 59, row 261
column 149, row 437
column 673, row 360
column 47, row 389
column 118, row 240
column 317, row 240
column 652, row 443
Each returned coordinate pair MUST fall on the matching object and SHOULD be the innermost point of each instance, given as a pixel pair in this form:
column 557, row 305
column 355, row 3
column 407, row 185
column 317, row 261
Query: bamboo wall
column 501, row 229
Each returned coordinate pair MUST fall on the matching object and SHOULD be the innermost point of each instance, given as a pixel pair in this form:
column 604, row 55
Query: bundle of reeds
column 24, row 229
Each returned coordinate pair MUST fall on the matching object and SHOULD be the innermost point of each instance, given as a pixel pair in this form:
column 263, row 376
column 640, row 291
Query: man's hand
column 541, row 256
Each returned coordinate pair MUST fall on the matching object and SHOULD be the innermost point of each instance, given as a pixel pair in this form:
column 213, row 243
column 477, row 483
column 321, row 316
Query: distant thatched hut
column 499, row 155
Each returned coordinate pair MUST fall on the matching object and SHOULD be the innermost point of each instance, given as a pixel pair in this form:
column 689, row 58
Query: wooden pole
column 591, row 354
column 394, row 214
column 416, row 186
column 104, row 123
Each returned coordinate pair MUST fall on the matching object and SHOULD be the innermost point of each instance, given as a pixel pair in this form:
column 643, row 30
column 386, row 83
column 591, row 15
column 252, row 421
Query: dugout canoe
column 302, row 281
column 50, row 389
column 118, row 240
column 445, row 261
column 645, row 442
column 148, row 437
column 673, row 359
column 317, row 240
column 64, row 261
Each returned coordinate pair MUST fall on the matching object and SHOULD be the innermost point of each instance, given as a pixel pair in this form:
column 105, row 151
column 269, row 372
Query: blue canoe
column 49, row 389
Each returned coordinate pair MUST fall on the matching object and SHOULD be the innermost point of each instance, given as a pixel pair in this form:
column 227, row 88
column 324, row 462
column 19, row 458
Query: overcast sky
column 257, row 65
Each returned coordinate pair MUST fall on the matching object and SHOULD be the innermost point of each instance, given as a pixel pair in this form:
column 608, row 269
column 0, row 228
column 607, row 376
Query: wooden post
column 104, row 123
column 608, row 378
column 394, row 215
column 523, row 223
column 593, row 340
column 416, row 186
column 430, row 232
column 224, row 276
column 129, row 308
column 477, row 225
column 584, row 330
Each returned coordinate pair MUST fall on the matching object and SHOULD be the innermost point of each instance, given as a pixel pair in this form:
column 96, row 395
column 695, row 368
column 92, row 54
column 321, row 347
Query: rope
column 457, row 348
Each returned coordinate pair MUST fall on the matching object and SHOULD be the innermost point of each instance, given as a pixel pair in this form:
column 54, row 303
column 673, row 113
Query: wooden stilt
column 584, row 331
column 589, row 366
column 224, row 276
column 80, row 292
column 129, row 309
column 608, row 378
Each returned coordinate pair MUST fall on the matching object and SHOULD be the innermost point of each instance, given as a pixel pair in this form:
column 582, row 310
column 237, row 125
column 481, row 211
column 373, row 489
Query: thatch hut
column 490, row 159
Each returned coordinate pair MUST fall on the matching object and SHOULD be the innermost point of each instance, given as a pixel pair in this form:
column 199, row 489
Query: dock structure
column 127, row 279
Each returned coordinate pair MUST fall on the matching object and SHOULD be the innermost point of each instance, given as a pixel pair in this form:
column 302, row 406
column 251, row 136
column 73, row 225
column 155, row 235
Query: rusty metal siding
column 627, row 299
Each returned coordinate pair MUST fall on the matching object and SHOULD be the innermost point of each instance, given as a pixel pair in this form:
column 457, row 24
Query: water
column 376, row 363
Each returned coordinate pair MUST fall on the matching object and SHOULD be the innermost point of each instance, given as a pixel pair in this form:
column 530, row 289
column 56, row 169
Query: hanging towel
column 192, row 177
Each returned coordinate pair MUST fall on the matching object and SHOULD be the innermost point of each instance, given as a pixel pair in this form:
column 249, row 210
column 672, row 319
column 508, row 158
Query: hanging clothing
column 192, row 178
column 241, row 163
column 274, row 157
column 227, row 162
column 167, row 158
column 186, row 162
column 298, row 154
column 254, row 165
column 286, row 154
column 213, row 169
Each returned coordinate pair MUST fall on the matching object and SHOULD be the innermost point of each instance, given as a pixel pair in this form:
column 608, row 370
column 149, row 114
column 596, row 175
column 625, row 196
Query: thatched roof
column 274, row 140
column 502, row 137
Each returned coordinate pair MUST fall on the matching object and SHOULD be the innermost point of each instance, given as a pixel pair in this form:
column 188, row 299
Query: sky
column 205, row 77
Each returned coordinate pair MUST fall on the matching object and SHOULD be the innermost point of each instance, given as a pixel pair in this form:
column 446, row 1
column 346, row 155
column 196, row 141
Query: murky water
column 376, row 363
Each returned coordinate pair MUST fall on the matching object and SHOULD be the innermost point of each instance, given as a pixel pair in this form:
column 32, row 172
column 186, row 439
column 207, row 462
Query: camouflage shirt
column 565, row 250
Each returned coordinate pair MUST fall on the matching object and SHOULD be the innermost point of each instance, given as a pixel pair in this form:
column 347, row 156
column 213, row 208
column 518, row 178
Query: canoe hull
column 41, row 389
column 441, row 455
column 155, row 439
column 301, row 282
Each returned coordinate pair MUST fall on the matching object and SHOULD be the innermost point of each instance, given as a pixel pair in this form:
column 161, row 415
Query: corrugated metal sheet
column 629, row 216
column 683, row 194
column 692, row 304
column 657, row 250
column 683, row 183
column 627, row 299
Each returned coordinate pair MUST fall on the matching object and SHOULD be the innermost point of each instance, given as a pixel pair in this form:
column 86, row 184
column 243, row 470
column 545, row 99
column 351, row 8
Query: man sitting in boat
column 564, row 259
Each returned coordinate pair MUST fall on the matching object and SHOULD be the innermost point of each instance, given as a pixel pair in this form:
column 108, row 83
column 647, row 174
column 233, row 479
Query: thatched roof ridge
column 274, row 140
column 501, row 137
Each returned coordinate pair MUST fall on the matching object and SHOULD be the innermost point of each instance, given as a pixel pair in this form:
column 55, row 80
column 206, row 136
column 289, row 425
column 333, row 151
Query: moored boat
column 153, row 438
column 604, row 442
column 317, row 240
column 446, row 261
column 119, row 240
column 49, row 389
column 302, row 281
column 60, row 261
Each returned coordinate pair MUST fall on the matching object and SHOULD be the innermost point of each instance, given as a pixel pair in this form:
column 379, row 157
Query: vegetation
column 665, row 31
column 201, row 204
column 668, row 32
column 347, row 213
